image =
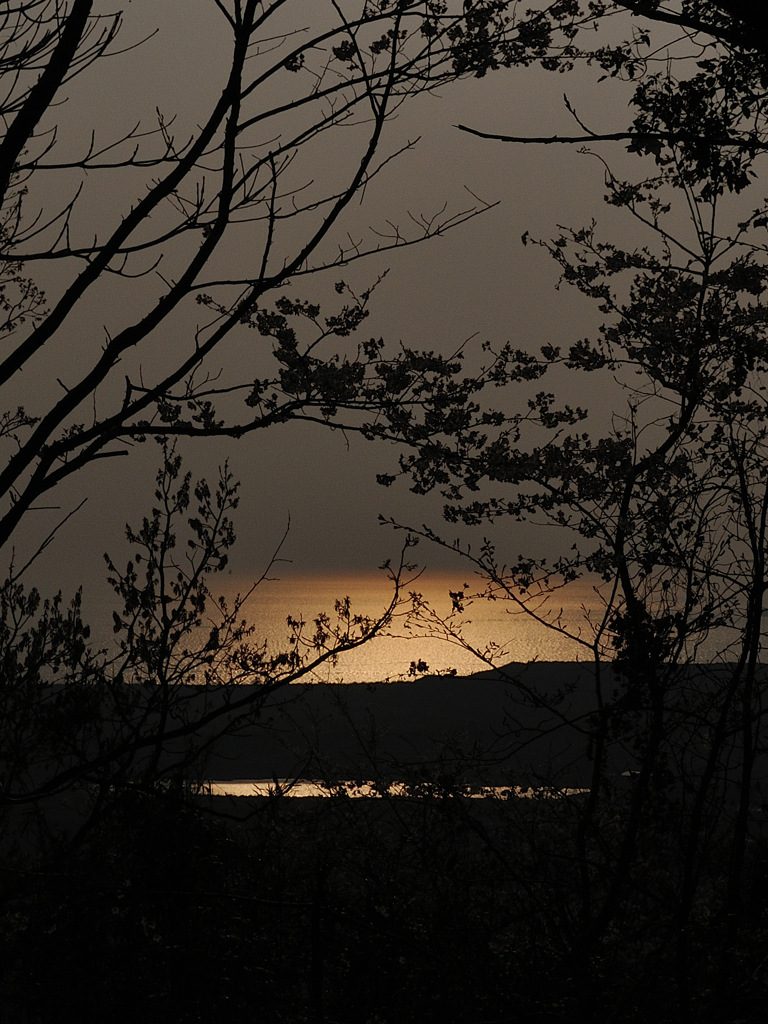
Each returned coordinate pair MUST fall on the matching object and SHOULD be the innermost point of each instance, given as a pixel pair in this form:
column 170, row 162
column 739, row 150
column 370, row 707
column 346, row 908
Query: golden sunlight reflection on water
column 368, row 790
column 486, row 625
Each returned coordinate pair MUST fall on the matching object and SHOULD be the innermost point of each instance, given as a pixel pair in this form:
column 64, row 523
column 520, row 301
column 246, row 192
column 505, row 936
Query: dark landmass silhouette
column 523, row 724
column 520, row 724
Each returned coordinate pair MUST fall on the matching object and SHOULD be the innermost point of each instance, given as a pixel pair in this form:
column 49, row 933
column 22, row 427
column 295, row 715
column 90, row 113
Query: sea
column 438, row 640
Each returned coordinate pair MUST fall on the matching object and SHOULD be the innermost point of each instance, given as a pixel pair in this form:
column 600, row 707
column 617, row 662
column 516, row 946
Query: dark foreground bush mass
column 438, row 909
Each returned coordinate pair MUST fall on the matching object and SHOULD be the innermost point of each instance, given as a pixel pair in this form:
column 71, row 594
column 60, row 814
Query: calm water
column 492, row 626
column 368, row 790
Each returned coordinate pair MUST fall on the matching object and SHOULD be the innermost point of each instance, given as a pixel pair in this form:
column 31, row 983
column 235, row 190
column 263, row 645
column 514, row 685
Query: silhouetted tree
column 243, row 185
column 237, row 174
column 666, row 509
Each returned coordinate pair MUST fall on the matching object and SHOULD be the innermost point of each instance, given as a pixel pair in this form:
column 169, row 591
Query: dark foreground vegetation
column 642, row 898
column 428, row 909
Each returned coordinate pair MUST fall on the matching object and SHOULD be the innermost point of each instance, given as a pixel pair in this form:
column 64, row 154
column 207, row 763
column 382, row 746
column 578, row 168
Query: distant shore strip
column 372, row 790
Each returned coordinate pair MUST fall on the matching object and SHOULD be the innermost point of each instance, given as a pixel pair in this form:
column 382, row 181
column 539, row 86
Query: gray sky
column 476, row 281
